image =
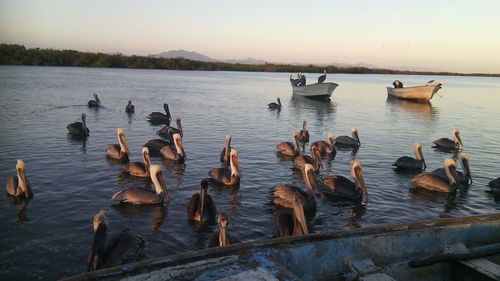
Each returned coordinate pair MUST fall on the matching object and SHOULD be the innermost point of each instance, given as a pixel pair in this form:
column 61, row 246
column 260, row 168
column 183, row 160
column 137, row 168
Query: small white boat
column 317, row 90
column 418, row 93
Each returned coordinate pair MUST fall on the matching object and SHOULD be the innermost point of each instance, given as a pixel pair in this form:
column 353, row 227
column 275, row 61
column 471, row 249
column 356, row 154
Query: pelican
column 155, row 145
column 326, row 147
column 340, row 186
column 130, row 108
column 137, row 195
column 174, row 152
column 446, row 143
column 274, row 105
column 288, row 148
column 304, row 134
column 95, row 102
column 410, row 163
column 201, row 207
column 141, row 169
column 122, row 249
column 221, row 237
column 322, row 78
column 226, row 151
column 433, row 182
column 464, row 178
column 284, row 194
column 158, row 117
column 495, row 185
column 18, row 185
column 167, row 131
column 314, row 160
column 228, row 176
column 348, row 141
column 292, row 224
column 119, row 151
column 78, row 129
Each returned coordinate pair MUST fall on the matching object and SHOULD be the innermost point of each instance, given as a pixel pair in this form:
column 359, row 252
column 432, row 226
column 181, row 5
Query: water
column 49, row 237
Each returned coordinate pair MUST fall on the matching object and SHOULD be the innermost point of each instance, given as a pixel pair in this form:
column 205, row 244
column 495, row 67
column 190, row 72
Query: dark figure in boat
column 302, row 80
column 294, row 82
column 397, row 84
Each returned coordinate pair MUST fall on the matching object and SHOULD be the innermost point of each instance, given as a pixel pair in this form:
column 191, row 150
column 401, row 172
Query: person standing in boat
column 302, row 80
column 397, row 84
column 295, row 81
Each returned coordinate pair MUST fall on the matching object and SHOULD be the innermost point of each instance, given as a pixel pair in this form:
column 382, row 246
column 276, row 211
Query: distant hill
column 199, row 57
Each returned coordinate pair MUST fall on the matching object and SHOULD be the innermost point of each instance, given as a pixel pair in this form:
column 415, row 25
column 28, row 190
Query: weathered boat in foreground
column 317, row 90
column 448, row 249
column 417, row 93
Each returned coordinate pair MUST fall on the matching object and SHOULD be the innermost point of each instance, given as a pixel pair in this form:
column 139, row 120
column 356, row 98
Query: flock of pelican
column 294, row 205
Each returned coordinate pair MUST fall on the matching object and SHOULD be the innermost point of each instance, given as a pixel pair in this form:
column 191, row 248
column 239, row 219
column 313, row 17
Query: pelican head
column 296, row 137
column 235, row 165
column 99, row 219
column 357, row 174
column 203, row 193
column 458, row 140
column 304, row 124
column 417, row 148
column 223, row 222
column 465, row 165
column 158, row 181
column 165, row 107
column 228, row 138
column 129, row 102
column 298, row 212
column 355, row 136
column 316, row 155
column 21, row 177
column 83, row 117
column 123, row 141
column 97, row 98
column 145, row 157
column 178, row 145
column 310, row 179
column 331, row 138
column 451, row 172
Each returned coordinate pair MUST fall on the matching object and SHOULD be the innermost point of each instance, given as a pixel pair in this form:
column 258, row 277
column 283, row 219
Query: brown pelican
column 228, row 176
column 348, row 141
column 160, row 118
column 294, row 223
column 155, row 146
column 340, row 186
column 274, row 105
column 326, row 147
column 464, row 178
column 433, row 182
column 495, row 185
column 95, row 102
column 78, row 129
column 119, row 151
column 226, row 151
column 122, row 249
column 136, row 195
column 130, row 108
column 314, row 160
column 410, row 163
column 446, row 143
column 18, row 185
column 221, row 237
column 141, row 169
column 284, row 194
column 174, row 152
column 322, row 78
column 201, row 207
column 288, row 148
column 304, row 134
column 167, row 131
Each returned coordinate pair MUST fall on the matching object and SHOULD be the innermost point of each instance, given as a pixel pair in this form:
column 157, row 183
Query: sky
column 456, row 36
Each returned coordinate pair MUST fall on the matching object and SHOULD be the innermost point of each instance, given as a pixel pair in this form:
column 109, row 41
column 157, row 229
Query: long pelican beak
column 235, row 163
column 451, row 172
column 317, row 158
column 123, row 142
column 298, row 211
column 223, row 229
column 158, row 181
column 419, row 154
column 145, row 157
column 100, row 229
column 203, row 193
column 23, row 182
column 357, row 174
column 97, row 98
column 457, row 137
column 465, row 165
column 310, row 180
column 356, row 136
column 179, row 126
column 228, row 144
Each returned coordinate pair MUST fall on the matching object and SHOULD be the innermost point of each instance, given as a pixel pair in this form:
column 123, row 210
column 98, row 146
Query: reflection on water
column 22, row 205
column 421, row 110
column 158, row 212
column 319, row 107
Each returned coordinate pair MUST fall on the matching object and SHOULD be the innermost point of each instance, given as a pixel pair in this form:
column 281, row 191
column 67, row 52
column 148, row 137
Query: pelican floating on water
column 304, row 134
column 340, row 186
column 122, row 249
column 160, row 118
column 292, row 223
column 226, row 151
column 274, row 105
column 119, row 151
column 288, row 148
column 228, row 176
column 410, row 163
column 201, row 207
column 322, row 78
column 136, row 195
column 284, row 194
column 17, row 185
column 79, row 129
column 220, row 237
column 130, row 108
column 155, row 146
column 168, row 132
column 174, row 152
column 314, row 160
column 446, row 143
column 349, row 141
column 141, row 169
column 495, row 185
column 464, row 177
column 95, row 102
column 326, row 147
column 432, row 181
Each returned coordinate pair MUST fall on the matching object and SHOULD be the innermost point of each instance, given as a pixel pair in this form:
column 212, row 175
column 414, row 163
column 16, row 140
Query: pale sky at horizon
column 457, row 36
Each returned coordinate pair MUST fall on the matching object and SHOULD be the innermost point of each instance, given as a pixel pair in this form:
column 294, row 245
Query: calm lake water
column 49, row 237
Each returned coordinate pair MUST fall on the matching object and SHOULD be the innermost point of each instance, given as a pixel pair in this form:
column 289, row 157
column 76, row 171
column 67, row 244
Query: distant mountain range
column 199, row 57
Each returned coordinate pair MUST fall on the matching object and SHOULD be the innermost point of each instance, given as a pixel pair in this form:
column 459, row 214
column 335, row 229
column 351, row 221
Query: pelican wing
column 345, row 140
column 193, row 205
column 124, row 248
column 113, row 151
column 136, row 195
column 342, row 187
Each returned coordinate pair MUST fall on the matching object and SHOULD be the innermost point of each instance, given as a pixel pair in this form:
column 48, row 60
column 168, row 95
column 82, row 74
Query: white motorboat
column 317, row 90
column 417, row 93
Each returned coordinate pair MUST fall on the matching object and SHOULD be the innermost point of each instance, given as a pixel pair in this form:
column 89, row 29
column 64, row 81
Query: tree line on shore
column 14, row 54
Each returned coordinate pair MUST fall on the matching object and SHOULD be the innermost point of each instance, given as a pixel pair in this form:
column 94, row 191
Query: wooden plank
column 376, row 277
column 484, row 266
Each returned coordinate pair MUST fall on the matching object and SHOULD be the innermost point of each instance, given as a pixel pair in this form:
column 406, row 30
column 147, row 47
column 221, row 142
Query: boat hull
column 417, row 93
column 324, row 256
column 318, row 90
